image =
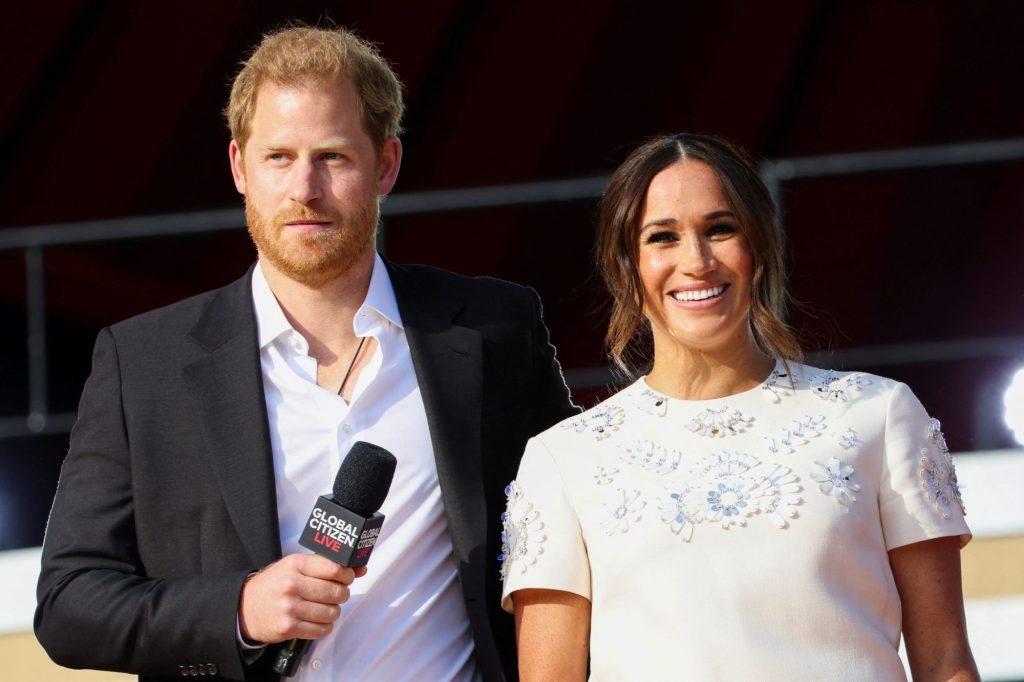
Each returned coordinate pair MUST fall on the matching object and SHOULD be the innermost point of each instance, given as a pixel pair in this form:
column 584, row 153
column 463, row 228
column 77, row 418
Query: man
column 208, row 428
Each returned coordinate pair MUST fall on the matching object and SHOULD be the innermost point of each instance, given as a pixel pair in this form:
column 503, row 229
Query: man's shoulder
column 490, row 298
column 430, row 274
column 183, row 315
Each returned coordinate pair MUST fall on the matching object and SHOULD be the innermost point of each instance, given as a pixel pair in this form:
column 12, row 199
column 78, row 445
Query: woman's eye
column 661, row 237
column 720, row 229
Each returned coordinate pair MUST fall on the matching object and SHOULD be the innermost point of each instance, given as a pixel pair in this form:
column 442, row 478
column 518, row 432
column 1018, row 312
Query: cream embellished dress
column 739, row 538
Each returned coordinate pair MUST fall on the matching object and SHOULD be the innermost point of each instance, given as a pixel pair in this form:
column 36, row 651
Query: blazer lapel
column 448, row 360
column 227, row 385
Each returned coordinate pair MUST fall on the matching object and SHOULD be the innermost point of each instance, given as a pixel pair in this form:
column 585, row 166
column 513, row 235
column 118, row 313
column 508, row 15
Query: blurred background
column 892, row 133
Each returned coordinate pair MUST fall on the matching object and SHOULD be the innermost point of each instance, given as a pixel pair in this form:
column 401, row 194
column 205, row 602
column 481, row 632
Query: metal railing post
column 36, row 338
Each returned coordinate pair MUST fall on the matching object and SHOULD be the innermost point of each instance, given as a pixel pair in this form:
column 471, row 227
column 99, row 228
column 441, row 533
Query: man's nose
column 305, row 182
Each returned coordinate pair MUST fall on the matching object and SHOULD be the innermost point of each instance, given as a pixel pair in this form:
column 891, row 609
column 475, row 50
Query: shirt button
column 347, row 428
column 315, row 665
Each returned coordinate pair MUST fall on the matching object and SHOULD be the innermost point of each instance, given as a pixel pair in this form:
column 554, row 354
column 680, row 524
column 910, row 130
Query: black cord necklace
column 351, row 365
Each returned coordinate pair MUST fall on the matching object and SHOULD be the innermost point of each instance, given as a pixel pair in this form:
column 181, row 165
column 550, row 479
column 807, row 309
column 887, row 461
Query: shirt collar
column 272, row 323
column 270, row 320
column 380, row 296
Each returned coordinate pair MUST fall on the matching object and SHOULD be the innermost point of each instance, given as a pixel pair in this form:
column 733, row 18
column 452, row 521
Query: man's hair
column 303, row 55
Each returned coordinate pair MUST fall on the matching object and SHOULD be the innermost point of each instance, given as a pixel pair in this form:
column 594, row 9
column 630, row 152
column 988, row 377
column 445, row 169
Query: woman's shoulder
column 842, row 386
column 600, row 421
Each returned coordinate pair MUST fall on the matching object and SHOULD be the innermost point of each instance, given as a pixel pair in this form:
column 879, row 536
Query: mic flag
column 344, row 528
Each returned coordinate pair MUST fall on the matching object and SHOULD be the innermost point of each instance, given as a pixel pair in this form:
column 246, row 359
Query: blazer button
column 211, row 669
column 183, row 670
column 193, row 671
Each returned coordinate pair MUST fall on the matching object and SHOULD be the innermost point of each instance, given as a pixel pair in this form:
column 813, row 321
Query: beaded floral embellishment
column 830, row 387
column 602, row 421
column 777, row 386
column 938, row 476
column 625, row 507
column 522, row 536
column 604, row 475
column 728, row 491
column 650, row 456
column 676, row 512
column 797, row 433
column 834, row 479
column 848, row 439
column 719, row 423
column 778, row 496
column 652, row 403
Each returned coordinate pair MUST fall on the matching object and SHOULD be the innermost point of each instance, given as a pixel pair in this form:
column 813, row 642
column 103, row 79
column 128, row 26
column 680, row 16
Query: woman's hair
column 621, row 209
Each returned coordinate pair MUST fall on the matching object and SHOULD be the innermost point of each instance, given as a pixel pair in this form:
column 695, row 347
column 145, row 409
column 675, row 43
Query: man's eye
column 332, row 156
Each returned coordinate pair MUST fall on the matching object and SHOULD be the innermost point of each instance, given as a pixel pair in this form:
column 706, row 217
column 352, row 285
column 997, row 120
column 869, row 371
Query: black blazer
column 166, row 500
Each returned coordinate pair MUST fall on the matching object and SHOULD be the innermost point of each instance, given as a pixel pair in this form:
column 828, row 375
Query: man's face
column 311, row 177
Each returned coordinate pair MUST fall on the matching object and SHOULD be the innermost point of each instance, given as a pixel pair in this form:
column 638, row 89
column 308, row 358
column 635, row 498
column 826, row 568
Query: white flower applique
column 602, row 421
column 650, row 456
column 652, row 403
column 848, row 439
column 730, row 490
column 577, row 424
column 728, row 502
column 777, row 495
column 777, row 386
column 830, row 387
column 938, row 476
column 522, row 532
column 605, row 475
column 676, row 512
column 624, row 507
column 796, row 433
column 834, row 479
column 719, row 423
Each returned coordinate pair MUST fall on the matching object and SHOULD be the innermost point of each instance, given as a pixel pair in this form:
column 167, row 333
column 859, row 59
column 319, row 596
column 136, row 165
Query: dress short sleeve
column 542, row 543
column 919, row 498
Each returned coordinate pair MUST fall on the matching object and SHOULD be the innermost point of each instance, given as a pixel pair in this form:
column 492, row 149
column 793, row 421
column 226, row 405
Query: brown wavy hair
column 300, row 55
column 629, row 335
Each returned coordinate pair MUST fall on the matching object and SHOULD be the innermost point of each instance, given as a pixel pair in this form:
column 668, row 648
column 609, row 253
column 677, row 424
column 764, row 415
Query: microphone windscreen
column 364, row 478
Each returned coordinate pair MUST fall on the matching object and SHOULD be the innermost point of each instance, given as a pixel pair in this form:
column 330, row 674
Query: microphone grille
column 364, row 478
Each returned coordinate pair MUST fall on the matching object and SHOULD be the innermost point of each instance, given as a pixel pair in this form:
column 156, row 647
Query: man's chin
column 312, row 272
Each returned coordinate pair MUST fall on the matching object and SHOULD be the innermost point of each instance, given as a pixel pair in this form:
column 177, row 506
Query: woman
column 733, row 514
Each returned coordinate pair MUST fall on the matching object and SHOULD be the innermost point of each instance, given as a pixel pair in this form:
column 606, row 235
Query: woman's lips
column 699, row 294
column 698, row 298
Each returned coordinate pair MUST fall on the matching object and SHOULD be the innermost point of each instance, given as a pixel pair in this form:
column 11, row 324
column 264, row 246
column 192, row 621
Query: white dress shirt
column 406, row 619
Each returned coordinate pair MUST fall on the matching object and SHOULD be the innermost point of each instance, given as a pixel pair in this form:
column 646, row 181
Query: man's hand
column 297, row 597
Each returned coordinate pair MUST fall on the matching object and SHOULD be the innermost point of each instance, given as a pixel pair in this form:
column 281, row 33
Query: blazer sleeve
column 551, row 399
column 97, row 606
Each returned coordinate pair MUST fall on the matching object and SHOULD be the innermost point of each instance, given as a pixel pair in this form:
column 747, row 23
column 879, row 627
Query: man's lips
column 305, row 225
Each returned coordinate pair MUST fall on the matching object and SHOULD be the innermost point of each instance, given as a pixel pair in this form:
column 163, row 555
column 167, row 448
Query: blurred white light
column 1014, row 402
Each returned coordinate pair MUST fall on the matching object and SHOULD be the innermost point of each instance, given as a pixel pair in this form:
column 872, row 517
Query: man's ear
column 237, row 166
column 388, row 164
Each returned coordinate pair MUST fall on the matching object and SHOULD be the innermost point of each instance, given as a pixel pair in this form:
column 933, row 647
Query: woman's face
column 695, row 264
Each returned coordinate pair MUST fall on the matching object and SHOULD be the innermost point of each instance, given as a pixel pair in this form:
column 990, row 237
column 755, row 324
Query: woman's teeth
column 698, row 295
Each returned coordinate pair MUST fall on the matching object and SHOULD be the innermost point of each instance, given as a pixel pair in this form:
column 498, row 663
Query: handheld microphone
column 345, row 528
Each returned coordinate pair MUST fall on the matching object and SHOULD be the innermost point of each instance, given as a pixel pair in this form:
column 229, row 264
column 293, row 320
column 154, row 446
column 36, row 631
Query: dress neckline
column 778, row 376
